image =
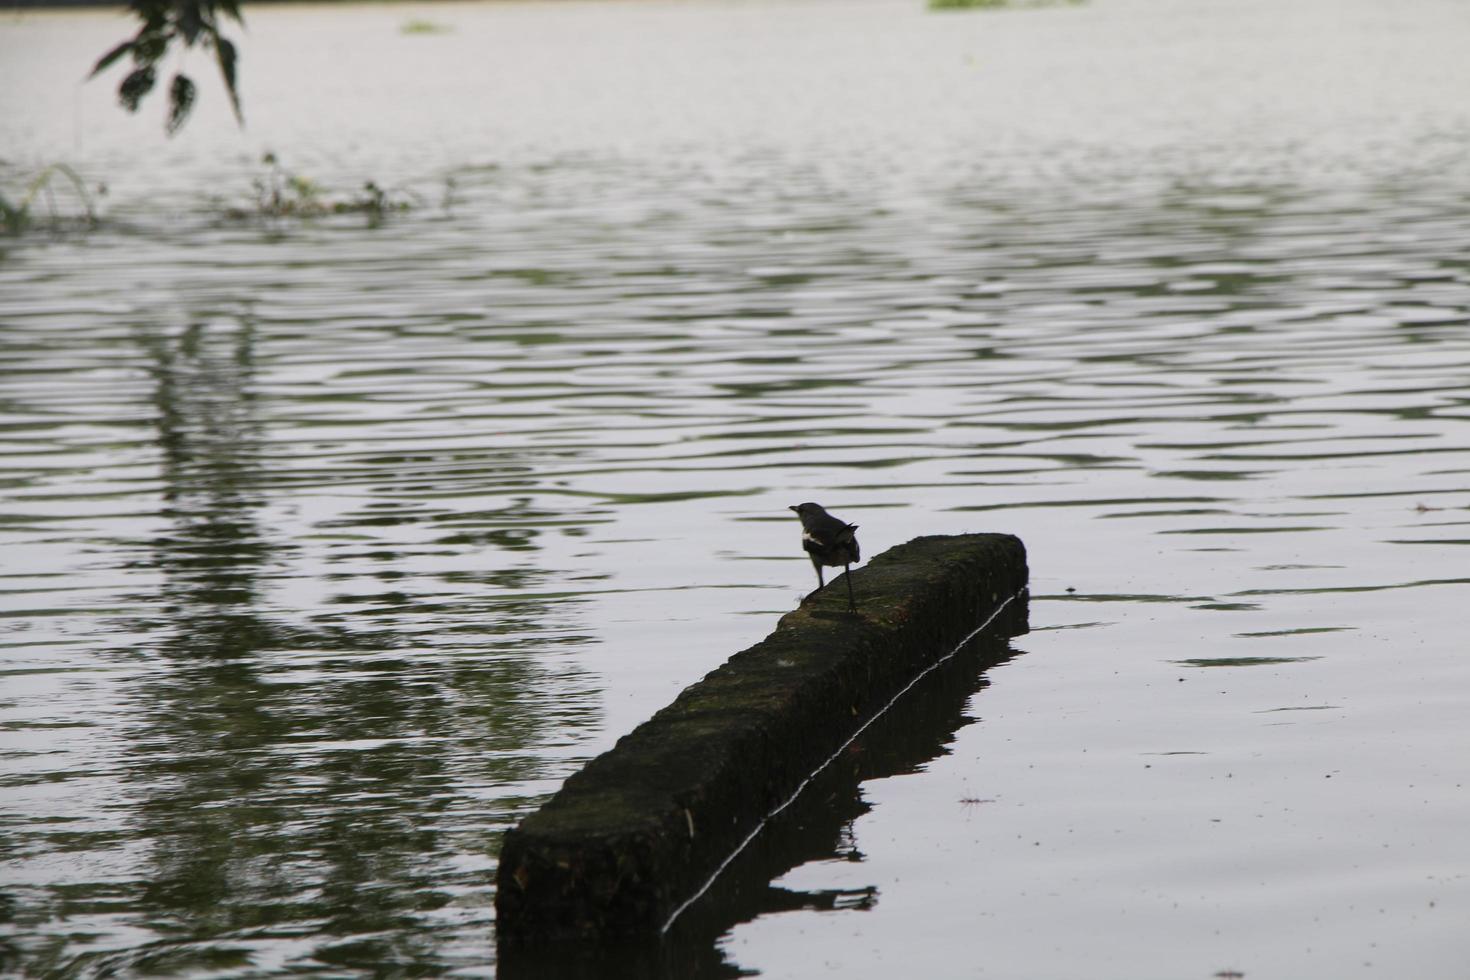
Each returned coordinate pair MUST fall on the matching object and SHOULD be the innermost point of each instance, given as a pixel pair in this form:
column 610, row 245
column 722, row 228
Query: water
column 329, row 550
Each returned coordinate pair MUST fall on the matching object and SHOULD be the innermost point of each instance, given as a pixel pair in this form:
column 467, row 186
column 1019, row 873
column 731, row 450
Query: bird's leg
column 816, row 565
column 851, row 602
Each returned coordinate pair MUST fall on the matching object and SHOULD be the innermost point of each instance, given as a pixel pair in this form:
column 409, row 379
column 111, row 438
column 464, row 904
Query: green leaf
column 149, row 46
column 181, row 95
column 177, row 24
column 226, row 54
column 138, row 84
column 190, row 21
column 111, row 56
column 155, row 21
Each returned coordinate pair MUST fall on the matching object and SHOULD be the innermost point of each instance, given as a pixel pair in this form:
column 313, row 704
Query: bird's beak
column 793, row 508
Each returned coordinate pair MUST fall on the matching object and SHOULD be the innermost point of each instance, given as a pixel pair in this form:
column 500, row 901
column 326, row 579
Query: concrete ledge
column 641, row 828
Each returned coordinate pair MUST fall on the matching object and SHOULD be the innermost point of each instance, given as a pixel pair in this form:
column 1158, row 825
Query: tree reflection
column 314, row 783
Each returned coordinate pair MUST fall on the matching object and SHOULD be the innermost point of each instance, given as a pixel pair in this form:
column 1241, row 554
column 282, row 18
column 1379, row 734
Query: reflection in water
column 279, row 770
column 818, row 826
column 203, row 712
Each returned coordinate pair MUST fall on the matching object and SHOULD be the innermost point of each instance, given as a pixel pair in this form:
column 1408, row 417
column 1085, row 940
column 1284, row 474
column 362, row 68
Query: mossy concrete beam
column 632, row 837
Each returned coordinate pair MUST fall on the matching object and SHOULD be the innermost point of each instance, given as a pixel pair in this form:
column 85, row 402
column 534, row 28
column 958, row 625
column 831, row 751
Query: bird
column 828, row 541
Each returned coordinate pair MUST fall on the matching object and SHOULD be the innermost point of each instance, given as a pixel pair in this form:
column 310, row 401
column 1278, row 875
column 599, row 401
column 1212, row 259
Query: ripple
column 331, row 550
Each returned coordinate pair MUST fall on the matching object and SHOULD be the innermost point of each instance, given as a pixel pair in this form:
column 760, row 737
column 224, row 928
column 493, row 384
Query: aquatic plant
column 280, row 193
column 1000, row 4
column 417, row 26
column 20, row 215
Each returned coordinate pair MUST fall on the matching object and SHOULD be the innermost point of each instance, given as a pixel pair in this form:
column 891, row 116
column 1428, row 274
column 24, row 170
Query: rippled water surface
column 330, row 549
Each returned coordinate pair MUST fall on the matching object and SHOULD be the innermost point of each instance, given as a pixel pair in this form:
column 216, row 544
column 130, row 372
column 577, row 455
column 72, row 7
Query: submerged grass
column 22, row 214
column 57, row 199
column 280, row 193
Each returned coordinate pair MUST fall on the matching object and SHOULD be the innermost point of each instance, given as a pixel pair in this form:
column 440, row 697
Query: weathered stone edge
column 642, row 826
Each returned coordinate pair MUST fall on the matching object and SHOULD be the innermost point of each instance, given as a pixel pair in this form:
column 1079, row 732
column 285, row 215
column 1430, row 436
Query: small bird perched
column 828, row 541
